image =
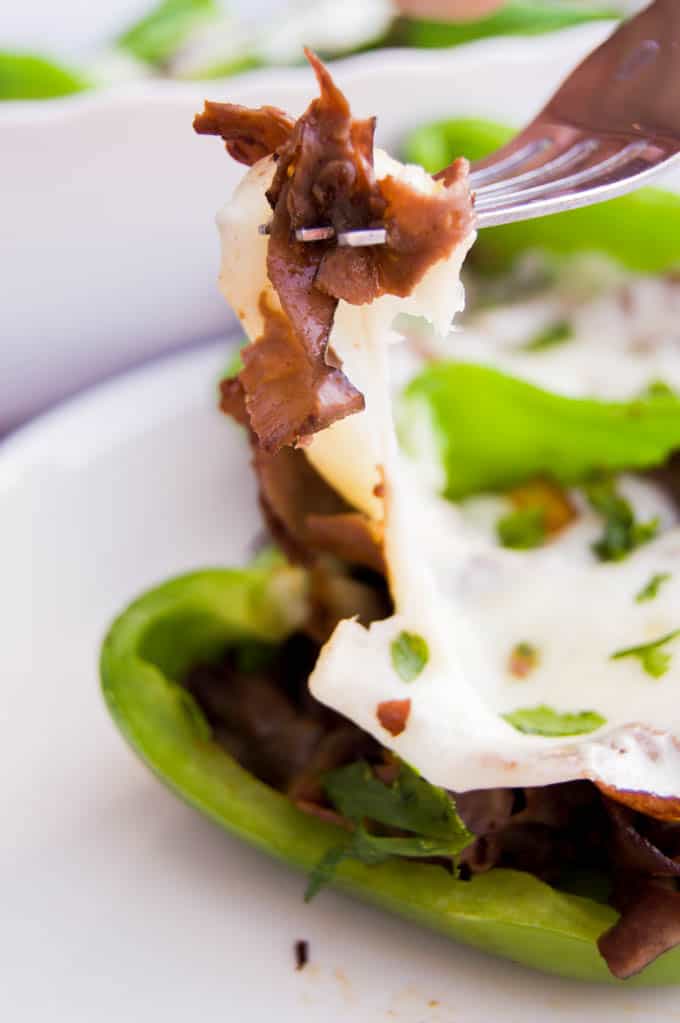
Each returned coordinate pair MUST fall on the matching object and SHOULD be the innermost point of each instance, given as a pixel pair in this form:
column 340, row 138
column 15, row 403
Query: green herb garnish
column 410, row 654
column 651, row 590
column 545, row 721
column 551, row 336
column 653, row 658
column 408, row 804
column 622, row 533
column 522, row 529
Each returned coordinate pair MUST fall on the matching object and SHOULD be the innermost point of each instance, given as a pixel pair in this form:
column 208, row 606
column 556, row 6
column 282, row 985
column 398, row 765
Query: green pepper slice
column 515, row 17
column 195, row 618
column 28, row 76
column 640, row 231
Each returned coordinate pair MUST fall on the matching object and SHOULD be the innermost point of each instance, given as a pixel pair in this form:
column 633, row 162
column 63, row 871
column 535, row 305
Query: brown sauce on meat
column 293, row 381
column 249, row 134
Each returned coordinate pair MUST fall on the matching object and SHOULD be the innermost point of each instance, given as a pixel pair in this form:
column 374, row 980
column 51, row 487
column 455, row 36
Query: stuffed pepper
column 450, row 681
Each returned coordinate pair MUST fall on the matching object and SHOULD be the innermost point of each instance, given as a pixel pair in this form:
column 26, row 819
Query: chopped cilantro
column 551, row 336
column 545, row 721
column 522, row 529
column 651, row 590
column 653, row 658
column 622, row 534
column 410, row 654
column 408, row 804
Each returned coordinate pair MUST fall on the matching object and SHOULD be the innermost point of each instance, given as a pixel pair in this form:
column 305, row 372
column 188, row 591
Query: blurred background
column 108, row 253
column 85, row 44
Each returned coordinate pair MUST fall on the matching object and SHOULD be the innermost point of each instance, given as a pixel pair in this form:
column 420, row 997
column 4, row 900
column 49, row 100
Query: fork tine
column 570, row 157
column 499, row 168
column 561, row 200
column 590, row 174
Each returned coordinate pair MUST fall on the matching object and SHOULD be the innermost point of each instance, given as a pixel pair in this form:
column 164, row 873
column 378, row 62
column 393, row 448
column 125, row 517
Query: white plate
column 117, row 902
column 108, row 251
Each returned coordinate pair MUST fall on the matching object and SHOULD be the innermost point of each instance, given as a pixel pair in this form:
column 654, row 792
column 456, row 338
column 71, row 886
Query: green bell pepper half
column 641, row 231
column 196, row 618
column 157, row 36
column 493, row 431
column 27, row 76
column 515, row 17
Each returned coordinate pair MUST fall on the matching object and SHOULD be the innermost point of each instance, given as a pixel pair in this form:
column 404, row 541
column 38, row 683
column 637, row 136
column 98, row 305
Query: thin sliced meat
column 290, row 395
column 255, row 720
column 649, row 926
column 323, row 175
column 350, row 536
column 293, row 381
column 343, row 745
column 633, row 851
column 249, row 134
column 325, row 168
column 305, row 516
column 421, row 230
column 485, row 810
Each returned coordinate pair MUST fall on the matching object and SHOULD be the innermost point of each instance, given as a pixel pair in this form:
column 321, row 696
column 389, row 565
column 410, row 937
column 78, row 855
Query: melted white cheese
column 471, row 600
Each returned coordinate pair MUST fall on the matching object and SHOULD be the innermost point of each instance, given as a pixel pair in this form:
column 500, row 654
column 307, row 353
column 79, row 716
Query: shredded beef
column 249, row 134
column 305, row 516
column 324, row 172
column 291, row 386
column 323, row 175
column 649, row 925
column 269, row 722
column 290, row 395
column 561, row 831
column 293, row 381
column 421, row 230
column 542, row 830
column 637, row 840
column 351, row 536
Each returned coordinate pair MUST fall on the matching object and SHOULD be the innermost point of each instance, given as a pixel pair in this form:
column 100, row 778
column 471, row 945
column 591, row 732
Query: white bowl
column 108, row 251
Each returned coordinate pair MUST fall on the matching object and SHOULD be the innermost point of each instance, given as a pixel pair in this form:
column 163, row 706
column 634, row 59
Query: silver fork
column 612, row 125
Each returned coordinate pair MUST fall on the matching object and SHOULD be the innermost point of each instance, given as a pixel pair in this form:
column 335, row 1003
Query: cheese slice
column 471, row 600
